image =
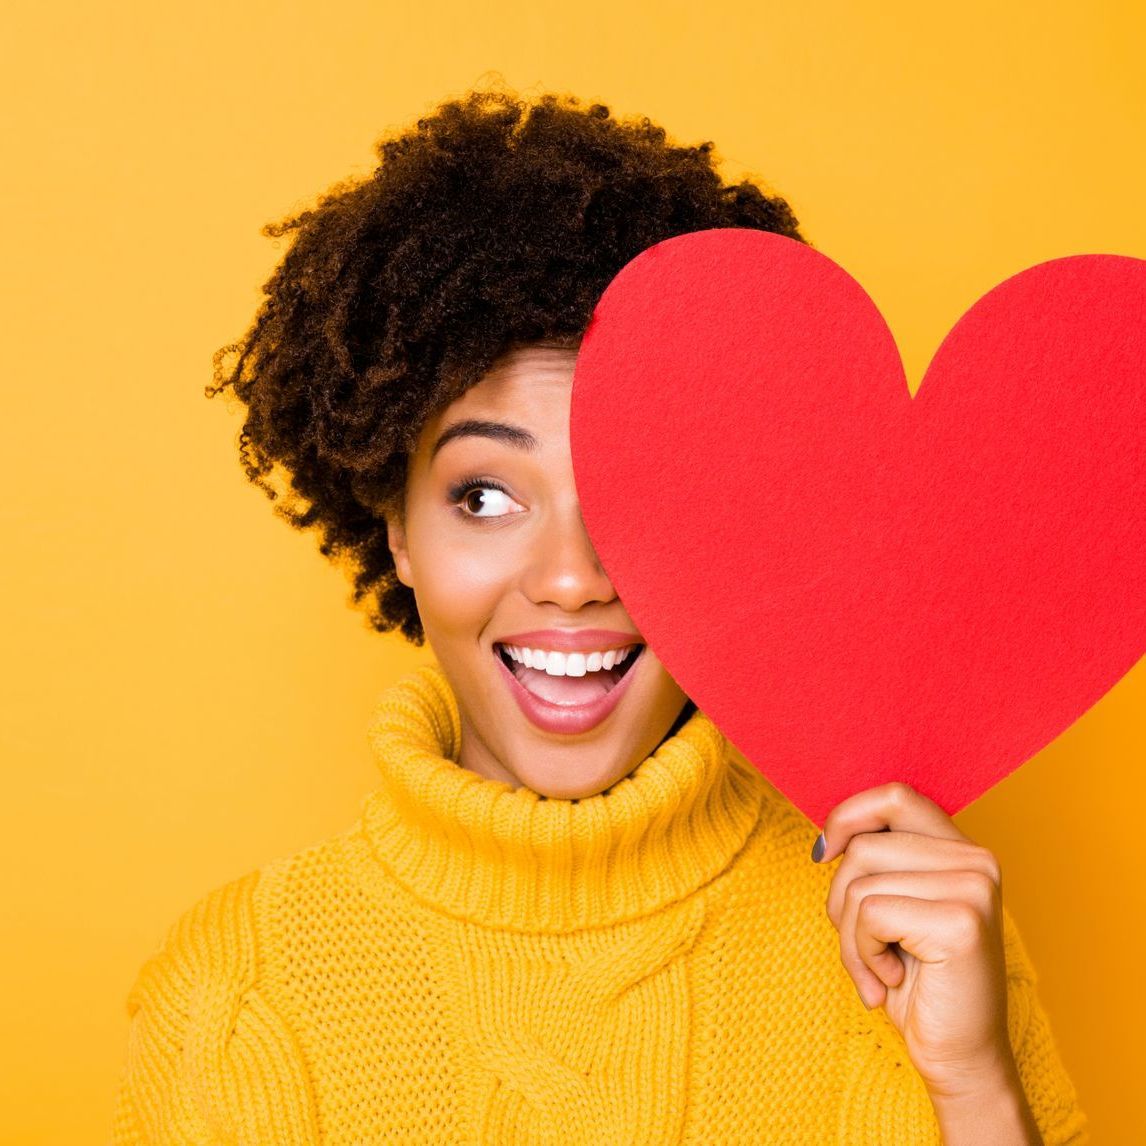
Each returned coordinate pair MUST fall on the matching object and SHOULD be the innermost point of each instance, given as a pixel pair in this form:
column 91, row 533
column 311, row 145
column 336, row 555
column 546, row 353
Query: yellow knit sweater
column 470, row 963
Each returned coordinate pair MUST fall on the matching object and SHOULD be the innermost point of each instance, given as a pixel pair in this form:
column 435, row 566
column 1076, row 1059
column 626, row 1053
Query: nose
column 563, row 568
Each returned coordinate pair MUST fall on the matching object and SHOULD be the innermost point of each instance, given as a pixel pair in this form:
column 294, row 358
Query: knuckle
column 985, row 861
column 899, row 793
column 982, row 890
column 991, row 866
column 868, row 905
column 966, row 925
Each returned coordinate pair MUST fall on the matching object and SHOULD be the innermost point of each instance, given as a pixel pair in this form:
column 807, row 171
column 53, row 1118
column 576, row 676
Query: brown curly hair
column 491, row 224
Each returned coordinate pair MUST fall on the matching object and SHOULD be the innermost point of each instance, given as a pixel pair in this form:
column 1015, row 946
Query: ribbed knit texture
column 471, row 963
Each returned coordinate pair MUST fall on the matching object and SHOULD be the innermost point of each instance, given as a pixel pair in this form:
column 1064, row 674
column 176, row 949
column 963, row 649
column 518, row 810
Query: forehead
column 530, row 386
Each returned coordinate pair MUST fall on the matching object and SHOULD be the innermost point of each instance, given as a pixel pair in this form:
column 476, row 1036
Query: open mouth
column 587, row 686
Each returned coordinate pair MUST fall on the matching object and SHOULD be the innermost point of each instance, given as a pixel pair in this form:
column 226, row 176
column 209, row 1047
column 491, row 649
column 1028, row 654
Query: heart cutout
column 859, row 586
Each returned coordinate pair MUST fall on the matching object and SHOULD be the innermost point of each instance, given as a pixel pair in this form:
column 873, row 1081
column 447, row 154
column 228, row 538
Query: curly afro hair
column 491, row 224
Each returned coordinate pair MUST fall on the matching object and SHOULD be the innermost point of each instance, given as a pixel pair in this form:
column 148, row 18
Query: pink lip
column 572, row 640
column 565, row 719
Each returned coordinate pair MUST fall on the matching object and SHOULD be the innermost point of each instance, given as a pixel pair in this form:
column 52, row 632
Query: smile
column 567, row 693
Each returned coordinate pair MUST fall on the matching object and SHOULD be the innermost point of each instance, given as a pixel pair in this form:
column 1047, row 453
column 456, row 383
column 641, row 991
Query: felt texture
column 858, row 586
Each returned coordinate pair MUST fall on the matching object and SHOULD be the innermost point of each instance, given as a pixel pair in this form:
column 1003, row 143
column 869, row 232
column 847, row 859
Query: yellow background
column 185, row 690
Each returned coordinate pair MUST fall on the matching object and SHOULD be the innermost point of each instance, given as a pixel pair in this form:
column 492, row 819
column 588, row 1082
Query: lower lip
column 565, row 719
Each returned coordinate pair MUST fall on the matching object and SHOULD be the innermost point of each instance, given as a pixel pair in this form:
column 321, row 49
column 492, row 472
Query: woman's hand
column 918, row 907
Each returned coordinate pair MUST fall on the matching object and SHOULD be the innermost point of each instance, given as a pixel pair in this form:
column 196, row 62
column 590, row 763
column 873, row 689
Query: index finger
column 897, row 807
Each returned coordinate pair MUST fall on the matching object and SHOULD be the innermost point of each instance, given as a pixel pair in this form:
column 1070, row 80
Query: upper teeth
column 568, row 664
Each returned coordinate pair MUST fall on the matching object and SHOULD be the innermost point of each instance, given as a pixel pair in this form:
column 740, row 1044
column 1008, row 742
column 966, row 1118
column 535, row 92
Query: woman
column 571, row 911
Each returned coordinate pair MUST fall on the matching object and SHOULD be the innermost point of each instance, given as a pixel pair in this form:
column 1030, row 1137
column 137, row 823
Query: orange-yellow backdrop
column 185, row 690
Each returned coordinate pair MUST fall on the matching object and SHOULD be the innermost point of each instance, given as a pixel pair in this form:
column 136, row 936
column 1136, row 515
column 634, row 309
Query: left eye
column 486, row 501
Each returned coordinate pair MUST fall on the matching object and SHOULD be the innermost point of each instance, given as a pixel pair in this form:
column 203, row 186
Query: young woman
column 571, row 911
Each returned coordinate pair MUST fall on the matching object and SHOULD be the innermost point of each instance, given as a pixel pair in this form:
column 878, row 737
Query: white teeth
column 568, row 664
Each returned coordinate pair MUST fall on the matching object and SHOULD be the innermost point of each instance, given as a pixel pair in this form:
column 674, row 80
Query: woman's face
column 493, row 545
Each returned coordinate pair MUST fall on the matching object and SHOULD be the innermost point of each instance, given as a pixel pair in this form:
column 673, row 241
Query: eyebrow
column 499, row 431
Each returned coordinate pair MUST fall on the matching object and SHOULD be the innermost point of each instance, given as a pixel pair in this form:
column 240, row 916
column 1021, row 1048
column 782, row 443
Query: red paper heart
column 855, row 585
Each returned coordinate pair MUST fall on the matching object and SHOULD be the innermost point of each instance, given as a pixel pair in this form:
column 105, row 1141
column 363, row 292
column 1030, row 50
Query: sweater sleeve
column 1049, row 1091
column 207, row 1060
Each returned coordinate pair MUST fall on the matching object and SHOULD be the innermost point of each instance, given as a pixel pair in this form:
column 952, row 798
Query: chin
column 573, row 792
column 556, row 784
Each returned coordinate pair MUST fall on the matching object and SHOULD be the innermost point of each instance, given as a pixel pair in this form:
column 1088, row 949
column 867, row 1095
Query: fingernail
column 818, row 848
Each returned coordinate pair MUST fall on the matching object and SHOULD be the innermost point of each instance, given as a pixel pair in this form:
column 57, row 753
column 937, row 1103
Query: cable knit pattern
column 470, row 963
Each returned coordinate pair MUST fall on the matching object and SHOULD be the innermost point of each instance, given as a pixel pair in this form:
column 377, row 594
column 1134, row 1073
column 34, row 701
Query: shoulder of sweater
column 206, row 1047
column 210, row 941
column 215, row 940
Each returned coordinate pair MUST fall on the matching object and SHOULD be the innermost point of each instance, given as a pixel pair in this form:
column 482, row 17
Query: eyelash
column 458, row 492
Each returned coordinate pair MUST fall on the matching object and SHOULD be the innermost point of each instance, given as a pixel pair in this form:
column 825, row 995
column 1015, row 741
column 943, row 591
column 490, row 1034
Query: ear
column 396, row 538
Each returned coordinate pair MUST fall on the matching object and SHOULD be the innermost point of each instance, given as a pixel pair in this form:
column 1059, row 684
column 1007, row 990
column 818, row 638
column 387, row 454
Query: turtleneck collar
column 504, row 857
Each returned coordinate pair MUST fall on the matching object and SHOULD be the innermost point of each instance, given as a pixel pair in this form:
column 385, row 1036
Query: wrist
column 992, row 1110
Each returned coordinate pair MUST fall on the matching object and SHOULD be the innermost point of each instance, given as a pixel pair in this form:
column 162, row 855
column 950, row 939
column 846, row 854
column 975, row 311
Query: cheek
column 665, row 688
column 459, row 582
